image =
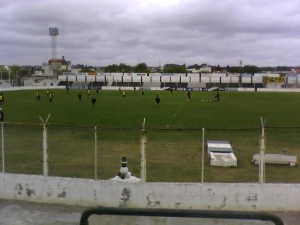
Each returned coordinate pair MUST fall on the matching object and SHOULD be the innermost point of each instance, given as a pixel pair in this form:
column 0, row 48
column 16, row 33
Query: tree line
column 20, row 71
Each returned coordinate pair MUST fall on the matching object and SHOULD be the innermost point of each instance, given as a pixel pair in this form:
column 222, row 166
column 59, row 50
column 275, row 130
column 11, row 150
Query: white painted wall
column 127, row 78
column 205, row 79
column 246, row 79
column 210, row 196
column 187, row 79
column 166, row 79
column 225, row 80
column 257, row 79
column 100, row 78
column 146, row 79
column 278, row 89
column 215, row 79
column 136, row 79
column 175, row 79
column 234, row 79
column 31, row 88
column 194, row 79
column 90, row 78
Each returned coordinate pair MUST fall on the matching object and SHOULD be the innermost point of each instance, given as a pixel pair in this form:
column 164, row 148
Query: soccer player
column 1, row 98
column 218, row 96
column 38, row 98
column 88, row 93
column 157, row 99
column 79, row 96
column 143, row 91
column 1, row 115
column 93, row 101
column 50, row 97
column 188, row 94
column 124, row 94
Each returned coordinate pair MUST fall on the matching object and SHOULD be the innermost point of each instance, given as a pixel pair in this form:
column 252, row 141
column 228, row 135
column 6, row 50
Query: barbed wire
column 134, row 129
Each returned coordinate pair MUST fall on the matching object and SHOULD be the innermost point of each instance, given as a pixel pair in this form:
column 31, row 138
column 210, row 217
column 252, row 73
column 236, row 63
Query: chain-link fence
column 171, row 155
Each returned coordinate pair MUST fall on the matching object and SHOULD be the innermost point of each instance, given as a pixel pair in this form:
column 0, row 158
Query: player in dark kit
column 188, row 94
column 157, row 99
column 93, row 100
column 1, row 115
column 218, row 96
column 79, row 96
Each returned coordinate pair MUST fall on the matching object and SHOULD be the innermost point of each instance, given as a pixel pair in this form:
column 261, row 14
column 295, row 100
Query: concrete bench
column 276, row 159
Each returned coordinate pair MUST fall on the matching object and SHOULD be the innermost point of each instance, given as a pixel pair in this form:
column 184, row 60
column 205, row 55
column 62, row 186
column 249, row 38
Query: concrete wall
column 31, row 88
column 210, row 196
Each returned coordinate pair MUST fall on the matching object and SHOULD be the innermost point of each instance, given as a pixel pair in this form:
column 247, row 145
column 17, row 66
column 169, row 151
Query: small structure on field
column 221, row 153
column 276, row 159
column 124, row 174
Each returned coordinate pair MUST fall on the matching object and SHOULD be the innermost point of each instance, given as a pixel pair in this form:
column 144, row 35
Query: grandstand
column 175, row 81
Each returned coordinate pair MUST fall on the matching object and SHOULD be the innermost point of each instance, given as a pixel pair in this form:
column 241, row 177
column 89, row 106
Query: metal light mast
column 53, row 32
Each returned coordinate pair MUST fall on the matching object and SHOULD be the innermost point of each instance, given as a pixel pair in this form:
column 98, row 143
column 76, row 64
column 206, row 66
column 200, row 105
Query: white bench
column 276, row 159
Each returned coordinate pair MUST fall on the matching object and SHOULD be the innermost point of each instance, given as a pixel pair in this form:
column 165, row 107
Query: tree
column 141, row 68
column 85, row 69
column 124, row 68
column 175, row 69
column 15, row 71
column 24, row 72
column 235, row 70
column 3, row 73
column 250, row 69
column 15, row 68
column 60, row 72
column 111, row 68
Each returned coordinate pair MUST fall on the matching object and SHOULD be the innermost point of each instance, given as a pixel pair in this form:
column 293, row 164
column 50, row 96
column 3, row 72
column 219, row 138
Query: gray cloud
column 260, row 32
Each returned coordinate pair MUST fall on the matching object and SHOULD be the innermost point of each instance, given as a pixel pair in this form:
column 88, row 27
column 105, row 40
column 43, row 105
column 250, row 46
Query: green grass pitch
column 174, row 132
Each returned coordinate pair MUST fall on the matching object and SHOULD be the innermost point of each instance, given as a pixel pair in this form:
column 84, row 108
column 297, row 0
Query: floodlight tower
column 53, row 32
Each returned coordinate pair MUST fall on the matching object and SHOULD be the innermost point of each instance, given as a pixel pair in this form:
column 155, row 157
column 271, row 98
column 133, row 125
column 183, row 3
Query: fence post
column 45, row 151
column 262, row 153
column 143, row 141
column 95, row 153
column 45, row 147
column 3, row 161
column 202, row 172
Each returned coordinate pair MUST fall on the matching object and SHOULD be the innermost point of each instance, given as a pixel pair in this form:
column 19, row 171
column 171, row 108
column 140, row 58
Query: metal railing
column 212, row 214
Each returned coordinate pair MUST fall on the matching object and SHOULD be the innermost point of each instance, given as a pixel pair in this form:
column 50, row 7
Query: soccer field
column 174, row 132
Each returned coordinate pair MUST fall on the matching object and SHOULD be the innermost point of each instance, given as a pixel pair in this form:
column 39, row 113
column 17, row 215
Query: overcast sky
column 104, row 32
